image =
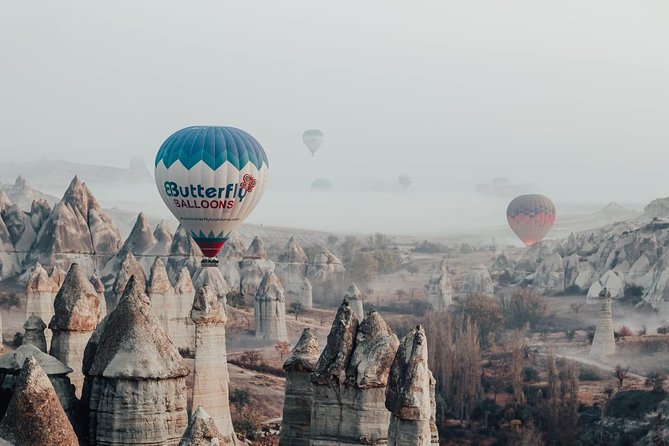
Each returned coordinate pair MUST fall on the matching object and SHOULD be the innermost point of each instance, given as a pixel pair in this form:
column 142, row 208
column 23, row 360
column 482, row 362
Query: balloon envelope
column 531, row 217
column 211, row 178
column 405, row 181
column 313, row 139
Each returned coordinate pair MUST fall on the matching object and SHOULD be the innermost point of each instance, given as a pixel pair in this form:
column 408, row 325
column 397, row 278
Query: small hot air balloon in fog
column 531, row 217
column 211, row 178
column 313, row 139
column 405, row 181
column 321, row 184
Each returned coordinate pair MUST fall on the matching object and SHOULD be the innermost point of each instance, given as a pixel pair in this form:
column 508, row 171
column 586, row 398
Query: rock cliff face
column 33, row 332
column 355, row 299
column 296, row 421
column 292, row 272
column 325, row 273
column 408, row 394
column 135, row 387
column 350, row 380
column 201, row 431
column 77, row 313
column 439, row 289
column 477, row 281
column 210, row 387
column 270, row 310
column 41, row 292
column 253, row 267
column 11, row 364
column 35, row 416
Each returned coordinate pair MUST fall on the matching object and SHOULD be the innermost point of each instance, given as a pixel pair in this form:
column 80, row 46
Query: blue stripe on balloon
column 212, row 145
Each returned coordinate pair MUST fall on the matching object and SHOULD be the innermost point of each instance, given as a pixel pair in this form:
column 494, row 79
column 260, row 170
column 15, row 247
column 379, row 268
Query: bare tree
column 295, row 308
column 283, row 349
column 621, row 374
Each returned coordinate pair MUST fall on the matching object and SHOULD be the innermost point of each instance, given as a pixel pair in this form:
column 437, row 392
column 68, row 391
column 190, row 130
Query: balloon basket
column 209, row 262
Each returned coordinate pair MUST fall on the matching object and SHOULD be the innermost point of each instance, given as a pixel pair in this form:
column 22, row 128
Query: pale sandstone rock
column 100, row 289
column 549, row 277
column 439, row 289
column 201, row 431
column 254, row 265
column 296, row 421
column 292, row 272
column 130, row 267
column 77, row 313
column 210, row 386
column 41, row 294
column 270, row 310
column 477, row 281
column 326, row 273
column 355, row 299
column 230, row 259
column 604, row 344
column 35, row 416
column 33, row 332
column 213, row 278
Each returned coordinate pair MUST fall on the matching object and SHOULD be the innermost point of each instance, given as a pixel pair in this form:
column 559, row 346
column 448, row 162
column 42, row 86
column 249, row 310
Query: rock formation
column 604, row 343
column 549, row 277
column 15, row 221
column 270, row 310
column 41, row 292
column 76, row 314
column 213, row 278
column 477, row 281
column 254, row 265
column 39, row 213
column 350, row 380
column 184, row 252
column 614, row 284
column 296, row 421
column 141, row 238
column 325, row 273
column 439, row 290
column 571, row 269
column 230, row 259
column 135, row 387
column 33, row 332
column 11, row 364
column 57, row 276
column 202, row 431
column 408, row 393
column 181, row 326
column 292, row 272
column 35, row 416
column 355, row 299
column 9, row 262
column 100, row 289
column 210, row 370
column 130, row 267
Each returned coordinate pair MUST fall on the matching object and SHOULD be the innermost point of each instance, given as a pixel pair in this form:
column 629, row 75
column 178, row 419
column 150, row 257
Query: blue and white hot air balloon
column 211, row 179
column 313, row 139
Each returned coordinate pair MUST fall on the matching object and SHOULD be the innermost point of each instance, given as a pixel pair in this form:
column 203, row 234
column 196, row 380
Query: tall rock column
column 135, row 386
column 130, row 267
column 296, row 421
column 210, row 387
column 292, row 272
column 33, row 332
column 161, row 295
column 408, row 393
column 439, row 289
column 355, row 298
column 270, row 310
column 181, row 326
column 41, row 292
column 254, row 265
column 77, row 313
column 604, row 342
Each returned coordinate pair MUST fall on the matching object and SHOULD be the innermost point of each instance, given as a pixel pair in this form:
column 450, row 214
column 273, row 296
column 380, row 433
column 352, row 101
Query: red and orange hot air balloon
column 531, row 217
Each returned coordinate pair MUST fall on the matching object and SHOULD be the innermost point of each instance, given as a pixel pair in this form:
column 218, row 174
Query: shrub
column 624, row 331
column 524, row 307
column 530, row 374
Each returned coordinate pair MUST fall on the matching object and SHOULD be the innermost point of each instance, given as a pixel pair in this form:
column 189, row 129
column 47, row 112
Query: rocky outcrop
column 130, row 267
column 33, row 332
column 76, row 314
column 477, row 281
column 213, row 278
column 9, row 261
column 640, row 273
column 549, row 277
column 253, row 268
column 296, row 421
column 349, row 382
column 355, row 299
column 11, row 365
column 571, row 270
column 230, row 258
column 184, row 252
column 181, row 327
column 604, row 343
column 35, row 416
column 41, row 292
column 201, row 431
column 292, row 272
column 15, row 221
column 57, row 276
column 100, row 289
column 39, row 213
column 439, row 289
column 141, row 238
column 135, row 387
column 210, row 370
column 613, row 283
column 270, row 310
column 408, row 393
column 326, row 273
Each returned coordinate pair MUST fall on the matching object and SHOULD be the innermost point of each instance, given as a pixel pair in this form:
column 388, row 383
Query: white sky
column 572, row 96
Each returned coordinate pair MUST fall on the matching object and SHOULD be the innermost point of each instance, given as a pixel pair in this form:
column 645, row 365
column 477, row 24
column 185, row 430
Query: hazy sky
column 570, row 95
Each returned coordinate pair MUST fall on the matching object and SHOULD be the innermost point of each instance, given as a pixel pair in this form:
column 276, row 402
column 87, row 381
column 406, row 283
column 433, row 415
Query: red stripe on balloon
column 210, row 249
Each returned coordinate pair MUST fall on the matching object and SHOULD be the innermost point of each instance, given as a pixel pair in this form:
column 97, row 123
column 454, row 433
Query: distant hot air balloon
column 531, row 217
column 211, row 178
column 313, row 139
column 405, row 181
column 321, row 184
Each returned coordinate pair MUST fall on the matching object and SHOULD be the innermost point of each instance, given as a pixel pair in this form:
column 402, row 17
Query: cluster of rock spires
column 344, row 396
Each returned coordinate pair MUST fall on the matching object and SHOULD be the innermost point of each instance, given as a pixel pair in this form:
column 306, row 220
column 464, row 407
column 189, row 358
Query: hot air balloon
column 313, row 139
column 321, row 184
column 405, row 181
column 211, row 179
column 531, row 217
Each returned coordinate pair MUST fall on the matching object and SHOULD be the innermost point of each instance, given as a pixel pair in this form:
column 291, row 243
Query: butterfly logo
column 248, row 183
